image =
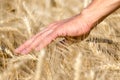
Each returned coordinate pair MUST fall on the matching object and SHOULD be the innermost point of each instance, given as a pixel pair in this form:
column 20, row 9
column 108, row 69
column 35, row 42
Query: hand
column 74, row 26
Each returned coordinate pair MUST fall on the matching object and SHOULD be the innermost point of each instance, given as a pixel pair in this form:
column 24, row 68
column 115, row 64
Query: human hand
column 75, row 26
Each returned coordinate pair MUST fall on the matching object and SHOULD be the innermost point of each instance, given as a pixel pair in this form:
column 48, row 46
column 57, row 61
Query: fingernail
column 16, row 51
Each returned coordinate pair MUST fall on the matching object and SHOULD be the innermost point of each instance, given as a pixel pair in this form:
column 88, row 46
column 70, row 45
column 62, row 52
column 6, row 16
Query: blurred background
column 97, row 57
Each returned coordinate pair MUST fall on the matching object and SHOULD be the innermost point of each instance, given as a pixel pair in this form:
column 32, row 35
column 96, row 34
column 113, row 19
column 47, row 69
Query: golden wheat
column 96, row 57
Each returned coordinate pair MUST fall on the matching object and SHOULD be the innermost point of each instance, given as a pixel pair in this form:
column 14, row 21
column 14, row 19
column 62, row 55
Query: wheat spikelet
column 77, row 67
column 96, row 57
column 39, row 65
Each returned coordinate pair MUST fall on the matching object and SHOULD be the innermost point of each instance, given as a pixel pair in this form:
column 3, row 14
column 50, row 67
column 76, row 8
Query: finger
column 36, row 42
column 25, row 47
column 19, row 49
column 49, row 27
column 46, row 41
column 27, row 43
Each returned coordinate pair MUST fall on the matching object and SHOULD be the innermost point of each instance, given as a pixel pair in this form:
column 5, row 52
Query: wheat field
column 96, row 57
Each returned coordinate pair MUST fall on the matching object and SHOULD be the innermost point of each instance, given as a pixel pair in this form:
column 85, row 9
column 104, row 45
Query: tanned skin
column 75, row 26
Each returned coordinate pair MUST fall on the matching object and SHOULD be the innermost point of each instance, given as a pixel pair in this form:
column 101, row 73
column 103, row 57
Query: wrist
column 89, row 17
column 99, row 9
